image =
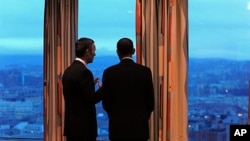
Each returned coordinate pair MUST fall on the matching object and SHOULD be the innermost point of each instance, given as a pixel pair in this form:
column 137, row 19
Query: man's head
column 85, row 49
column 125, row 48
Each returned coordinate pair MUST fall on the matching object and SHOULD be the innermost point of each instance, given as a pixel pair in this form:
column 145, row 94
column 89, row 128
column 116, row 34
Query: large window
column 219, row 67
column 21, row 69
column 106, row 22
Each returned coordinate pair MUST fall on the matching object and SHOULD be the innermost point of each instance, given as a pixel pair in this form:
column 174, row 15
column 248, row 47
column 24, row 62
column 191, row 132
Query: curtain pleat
column 45, row 60
column 50, row 42
column 162, row 69
column 138, row 31
column 178, row 71
column 60, row 34
column 163, row 48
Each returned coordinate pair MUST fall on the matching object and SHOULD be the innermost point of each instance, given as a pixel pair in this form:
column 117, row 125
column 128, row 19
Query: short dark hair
column 125, row 46
column 82, row 45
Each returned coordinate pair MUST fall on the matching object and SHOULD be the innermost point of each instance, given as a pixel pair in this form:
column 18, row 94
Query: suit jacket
column 80, row 99
column 128, row 99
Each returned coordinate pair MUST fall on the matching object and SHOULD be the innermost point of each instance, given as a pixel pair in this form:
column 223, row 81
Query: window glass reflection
column 106, row 24
column 218, row 67
column 21, row 69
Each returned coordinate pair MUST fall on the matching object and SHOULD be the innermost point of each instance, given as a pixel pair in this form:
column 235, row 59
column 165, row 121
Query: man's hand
column 96, row 81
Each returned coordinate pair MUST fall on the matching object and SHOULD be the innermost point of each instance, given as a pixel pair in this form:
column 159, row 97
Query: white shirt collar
column 82, row 61
column 126, row 58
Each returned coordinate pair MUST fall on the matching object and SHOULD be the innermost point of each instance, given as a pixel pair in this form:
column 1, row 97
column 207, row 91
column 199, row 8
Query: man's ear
column 133, row 51
column 117, row 52
column 87, row 50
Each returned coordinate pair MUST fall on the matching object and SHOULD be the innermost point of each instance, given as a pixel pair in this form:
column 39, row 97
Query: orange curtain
column 138, row 31
column 161, row 44
column 60, row 34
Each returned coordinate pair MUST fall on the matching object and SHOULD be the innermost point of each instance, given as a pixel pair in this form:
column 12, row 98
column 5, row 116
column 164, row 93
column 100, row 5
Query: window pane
column 219, row 67
column 21, row 69
column 106, row 24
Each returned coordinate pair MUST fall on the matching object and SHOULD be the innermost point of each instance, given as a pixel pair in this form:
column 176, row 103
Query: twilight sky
column 217, row 28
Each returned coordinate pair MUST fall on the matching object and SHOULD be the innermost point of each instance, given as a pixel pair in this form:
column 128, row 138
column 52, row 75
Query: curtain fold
column 178, row 71
column 161, row 42
column 60, row 34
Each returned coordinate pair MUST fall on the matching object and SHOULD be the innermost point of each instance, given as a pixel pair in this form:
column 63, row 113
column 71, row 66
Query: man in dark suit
column 80, row 122
column 128, row 96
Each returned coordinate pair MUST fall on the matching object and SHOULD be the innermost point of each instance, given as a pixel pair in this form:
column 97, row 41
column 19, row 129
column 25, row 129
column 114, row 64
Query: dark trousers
column 79, row 139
